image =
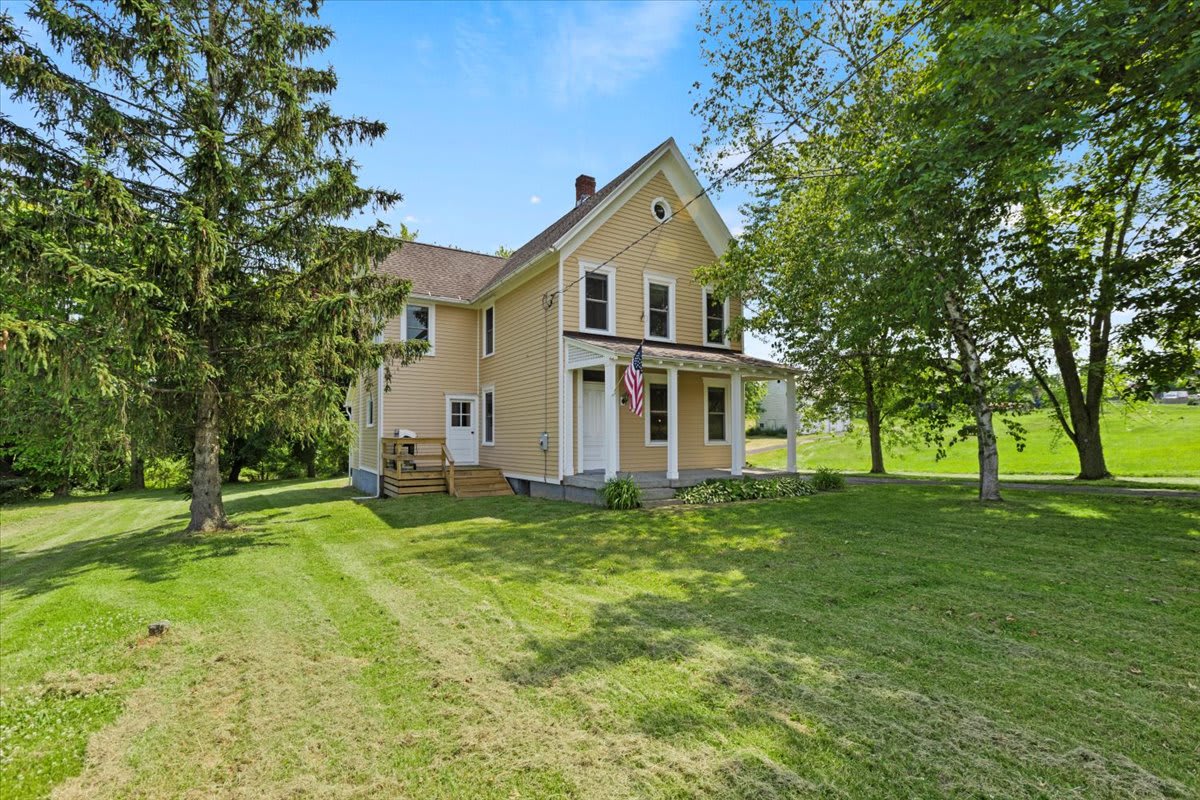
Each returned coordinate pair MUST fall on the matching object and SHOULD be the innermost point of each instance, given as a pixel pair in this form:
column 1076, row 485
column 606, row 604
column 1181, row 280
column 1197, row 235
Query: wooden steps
column 468, row 482
column 480, row 482
column 414, row 482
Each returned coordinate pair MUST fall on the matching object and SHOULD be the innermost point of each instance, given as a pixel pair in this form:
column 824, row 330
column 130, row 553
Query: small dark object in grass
column 828, row 480
column 159, row 628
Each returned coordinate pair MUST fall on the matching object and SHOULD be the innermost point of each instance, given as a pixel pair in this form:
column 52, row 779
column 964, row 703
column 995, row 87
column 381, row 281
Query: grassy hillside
column 1146, row 441
column 883, row 641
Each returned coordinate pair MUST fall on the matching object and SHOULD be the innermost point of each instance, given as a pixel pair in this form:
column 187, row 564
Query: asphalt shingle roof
column 625, row 346
column 437, row 271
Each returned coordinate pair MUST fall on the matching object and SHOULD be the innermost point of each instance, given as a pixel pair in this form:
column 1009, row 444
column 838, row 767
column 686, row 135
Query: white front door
column 460, row 430
column 591, row 427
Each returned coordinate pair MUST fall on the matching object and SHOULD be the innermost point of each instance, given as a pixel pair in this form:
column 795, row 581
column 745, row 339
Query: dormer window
column 597, row 309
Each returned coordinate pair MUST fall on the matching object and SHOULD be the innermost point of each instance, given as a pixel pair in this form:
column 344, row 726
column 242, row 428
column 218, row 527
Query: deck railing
column 416, row 454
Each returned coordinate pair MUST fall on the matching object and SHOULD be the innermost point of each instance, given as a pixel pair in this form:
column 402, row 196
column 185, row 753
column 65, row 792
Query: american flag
column 633, row 382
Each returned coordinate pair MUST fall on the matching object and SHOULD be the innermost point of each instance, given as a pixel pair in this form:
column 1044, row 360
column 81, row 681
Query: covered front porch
column 693, row 425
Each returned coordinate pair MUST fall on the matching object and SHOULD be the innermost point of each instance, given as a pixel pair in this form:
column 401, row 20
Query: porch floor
column 594, row 479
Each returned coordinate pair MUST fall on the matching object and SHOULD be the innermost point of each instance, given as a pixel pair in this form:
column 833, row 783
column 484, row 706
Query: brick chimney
column 585, row 187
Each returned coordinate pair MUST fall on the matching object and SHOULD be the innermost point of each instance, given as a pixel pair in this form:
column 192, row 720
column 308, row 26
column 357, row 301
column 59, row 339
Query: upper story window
column 716, row 320
column 489, row 330
column 661, row 209
column 370, row 412
column 659, row 310
column 597, row 306
column 418, row 325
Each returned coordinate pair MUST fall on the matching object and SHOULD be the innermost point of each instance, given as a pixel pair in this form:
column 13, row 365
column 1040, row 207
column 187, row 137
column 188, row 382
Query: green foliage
column 177, row 239
column 622, row 493
column 828, row 480
column 731, row 490
column 755, row 393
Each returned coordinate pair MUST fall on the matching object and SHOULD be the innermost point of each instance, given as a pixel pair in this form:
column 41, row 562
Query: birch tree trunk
column 981, row 409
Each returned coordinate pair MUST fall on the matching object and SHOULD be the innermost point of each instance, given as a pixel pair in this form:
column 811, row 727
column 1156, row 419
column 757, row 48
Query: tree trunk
column 1091, row 452
column 310, row 468
column 137, row 468
column 873, row 419
column 972, row 375
column 235, row 470
column 1084, row 406
column 208, row 510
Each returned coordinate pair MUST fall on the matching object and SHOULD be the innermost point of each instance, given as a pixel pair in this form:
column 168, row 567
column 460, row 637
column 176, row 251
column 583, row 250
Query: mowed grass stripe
column 881, row 641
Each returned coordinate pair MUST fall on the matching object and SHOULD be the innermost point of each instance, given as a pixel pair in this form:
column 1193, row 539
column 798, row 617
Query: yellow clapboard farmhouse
column 521, row 387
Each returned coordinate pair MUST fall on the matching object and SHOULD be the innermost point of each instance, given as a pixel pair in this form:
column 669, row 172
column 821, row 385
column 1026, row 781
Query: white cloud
column 410, row 218
column 599, row 49
column 534, row 199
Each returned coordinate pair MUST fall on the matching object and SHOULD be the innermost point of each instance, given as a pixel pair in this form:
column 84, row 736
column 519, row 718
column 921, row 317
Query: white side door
column 591, row 438
column 461, row 438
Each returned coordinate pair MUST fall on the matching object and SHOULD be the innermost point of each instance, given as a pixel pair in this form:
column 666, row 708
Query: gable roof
column 542, row 242
column 444, row 272
column 462, row 275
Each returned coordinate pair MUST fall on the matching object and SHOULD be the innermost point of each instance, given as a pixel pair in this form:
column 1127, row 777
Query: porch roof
column 687, row 356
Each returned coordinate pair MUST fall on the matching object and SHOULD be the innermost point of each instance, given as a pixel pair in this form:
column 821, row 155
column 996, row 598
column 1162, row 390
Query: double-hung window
column 418, row 325
column 716, row 413
column 597, row 298
column 656, row 412
column 659, row 309
column 489, row 330
column 489, row 416
column 716, row 320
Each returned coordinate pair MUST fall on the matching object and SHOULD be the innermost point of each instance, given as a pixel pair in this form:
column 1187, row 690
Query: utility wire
column 548, row 297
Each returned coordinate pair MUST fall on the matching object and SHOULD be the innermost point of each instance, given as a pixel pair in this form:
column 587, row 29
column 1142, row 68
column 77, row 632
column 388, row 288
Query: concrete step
column 658, row 493
column 667, row 501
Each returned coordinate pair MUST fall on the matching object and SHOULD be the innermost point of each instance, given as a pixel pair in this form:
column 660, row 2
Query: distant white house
column 774, row 414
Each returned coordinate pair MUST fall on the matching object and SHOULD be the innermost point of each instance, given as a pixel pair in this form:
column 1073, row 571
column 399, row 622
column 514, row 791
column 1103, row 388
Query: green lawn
column 886, row 640
column 1148, row 441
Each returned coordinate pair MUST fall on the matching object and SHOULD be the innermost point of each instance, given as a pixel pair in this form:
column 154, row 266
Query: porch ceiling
column 709, row 359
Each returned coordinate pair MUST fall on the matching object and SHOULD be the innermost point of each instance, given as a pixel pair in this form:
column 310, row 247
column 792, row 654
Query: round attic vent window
column 661, row 209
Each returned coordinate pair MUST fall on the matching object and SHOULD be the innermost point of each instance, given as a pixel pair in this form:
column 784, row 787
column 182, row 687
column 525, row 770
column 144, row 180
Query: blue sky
column 493, row 108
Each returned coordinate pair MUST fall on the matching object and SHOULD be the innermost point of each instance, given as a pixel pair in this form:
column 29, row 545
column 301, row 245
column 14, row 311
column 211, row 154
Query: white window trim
column 662, row 381
column 663, row 280
column 432, row 325
column 483, row 440
column 723, row 384
column 584, row 268
column 665, row 202
column 483, row 332
column 369, row 412
column 704, row 293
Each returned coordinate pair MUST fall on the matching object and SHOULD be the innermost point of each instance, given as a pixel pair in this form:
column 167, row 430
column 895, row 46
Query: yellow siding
column 368, row 438
column 677, row 251
column 524, row 370
column 416, row 400
column 693, row 452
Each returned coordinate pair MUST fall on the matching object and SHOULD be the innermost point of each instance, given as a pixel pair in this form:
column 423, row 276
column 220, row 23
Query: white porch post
column 568, row 419
column 672, row 423
column 737, row 420
column 790, row 395
column 611, row 404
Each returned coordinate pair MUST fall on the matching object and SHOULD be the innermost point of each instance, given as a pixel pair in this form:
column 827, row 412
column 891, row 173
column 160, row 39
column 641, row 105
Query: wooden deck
column 425, row 466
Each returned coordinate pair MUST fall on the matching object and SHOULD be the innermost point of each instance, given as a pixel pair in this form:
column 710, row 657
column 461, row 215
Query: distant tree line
column 953, row 198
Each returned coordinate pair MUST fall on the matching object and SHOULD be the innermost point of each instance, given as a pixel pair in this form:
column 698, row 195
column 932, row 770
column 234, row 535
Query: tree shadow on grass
column 148, row 555
column 892, row 629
